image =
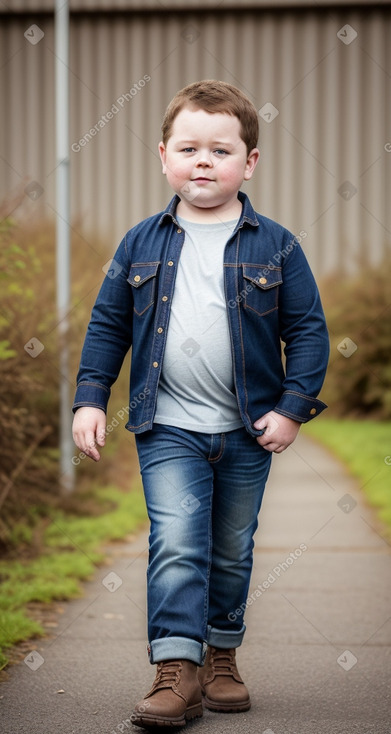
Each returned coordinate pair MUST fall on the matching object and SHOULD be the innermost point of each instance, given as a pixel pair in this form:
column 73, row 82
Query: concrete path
column 317, row 651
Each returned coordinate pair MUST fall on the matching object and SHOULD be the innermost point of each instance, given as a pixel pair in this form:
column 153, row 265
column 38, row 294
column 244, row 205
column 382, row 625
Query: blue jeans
column 203, row 493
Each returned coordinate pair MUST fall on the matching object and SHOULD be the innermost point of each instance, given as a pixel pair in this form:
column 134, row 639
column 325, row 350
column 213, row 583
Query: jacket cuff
column 92, row 395
column 299, row 407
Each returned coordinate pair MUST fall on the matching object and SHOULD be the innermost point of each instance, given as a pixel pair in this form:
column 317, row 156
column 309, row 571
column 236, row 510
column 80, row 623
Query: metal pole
column 61, row 26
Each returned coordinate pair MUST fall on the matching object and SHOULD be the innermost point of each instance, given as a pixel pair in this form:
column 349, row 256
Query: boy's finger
column 280, row 449
column 263, row 441
column 93, row 453
column 260, row 423
column 101, row 430
column 90, row 446
column 101, row 438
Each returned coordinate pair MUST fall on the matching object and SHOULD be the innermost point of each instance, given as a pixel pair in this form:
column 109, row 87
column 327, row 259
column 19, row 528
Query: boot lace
column 167, row 674
column 223, row 662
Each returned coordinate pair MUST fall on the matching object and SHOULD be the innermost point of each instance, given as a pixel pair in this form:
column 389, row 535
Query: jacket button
column 170, row 263
column 160, row 330
column 263, row 281
column 165, row 298
column 179, row 231
column 155, row 364
column 137, row 278
column 313, row 411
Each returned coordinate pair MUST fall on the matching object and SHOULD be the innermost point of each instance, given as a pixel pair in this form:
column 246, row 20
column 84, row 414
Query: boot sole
column 228, row 708
column 152, row 722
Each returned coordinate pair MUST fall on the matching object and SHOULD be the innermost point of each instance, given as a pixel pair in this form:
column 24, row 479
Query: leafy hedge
column 29, row 405
column 358, row 312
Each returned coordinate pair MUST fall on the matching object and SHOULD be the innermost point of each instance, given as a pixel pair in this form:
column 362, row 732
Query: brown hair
column 215, row 96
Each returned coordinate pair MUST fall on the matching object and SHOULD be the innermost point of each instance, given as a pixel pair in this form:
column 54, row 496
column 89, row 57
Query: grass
column 365, row 448
column 84, row 532
column 72, row 550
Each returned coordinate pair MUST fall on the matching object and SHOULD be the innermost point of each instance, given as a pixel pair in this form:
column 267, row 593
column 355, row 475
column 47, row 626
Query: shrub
column 25, row 420
column 358, row 312
column 29, row 405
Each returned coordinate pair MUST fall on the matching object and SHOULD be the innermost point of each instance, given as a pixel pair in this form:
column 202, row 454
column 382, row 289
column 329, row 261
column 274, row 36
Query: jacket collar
column 248, row 215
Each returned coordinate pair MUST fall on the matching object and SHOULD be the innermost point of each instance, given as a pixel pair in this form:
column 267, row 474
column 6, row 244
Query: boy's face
column 205, row 161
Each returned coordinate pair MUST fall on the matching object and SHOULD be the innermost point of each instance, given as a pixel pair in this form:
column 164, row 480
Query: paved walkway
column 317, row 651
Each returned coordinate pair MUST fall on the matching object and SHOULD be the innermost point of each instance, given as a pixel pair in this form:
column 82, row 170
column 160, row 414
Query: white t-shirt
column 196, row 388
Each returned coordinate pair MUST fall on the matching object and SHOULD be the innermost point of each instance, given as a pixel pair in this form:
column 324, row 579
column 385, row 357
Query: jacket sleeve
column 109, row 335
column 304, row 332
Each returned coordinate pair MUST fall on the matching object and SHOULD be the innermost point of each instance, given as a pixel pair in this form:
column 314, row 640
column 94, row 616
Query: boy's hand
column 89, row 426
column 279, row 433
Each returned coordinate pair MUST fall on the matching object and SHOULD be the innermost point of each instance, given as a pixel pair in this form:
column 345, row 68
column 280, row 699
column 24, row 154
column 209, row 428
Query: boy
column 204, row 292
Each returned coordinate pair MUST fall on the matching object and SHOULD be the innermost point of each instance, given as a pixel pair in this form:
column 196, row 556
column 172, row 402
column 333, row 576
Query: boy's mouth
column 200, row 179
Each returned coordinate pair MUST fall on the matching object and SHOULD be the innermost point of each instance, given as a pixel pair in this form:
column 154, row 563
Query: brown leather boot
column 221, row 683
column 174, row 697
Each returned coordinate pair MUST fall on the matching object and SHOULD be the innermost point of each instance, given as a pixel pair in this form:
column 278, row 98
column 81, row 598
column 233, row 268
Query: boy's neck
column 224, row 213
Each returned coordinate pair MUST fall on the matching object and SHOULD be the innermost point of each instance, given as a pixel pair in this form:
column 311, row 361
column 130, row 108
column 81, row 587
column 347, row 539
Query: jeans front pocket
column 261, row 287
column 142, row 278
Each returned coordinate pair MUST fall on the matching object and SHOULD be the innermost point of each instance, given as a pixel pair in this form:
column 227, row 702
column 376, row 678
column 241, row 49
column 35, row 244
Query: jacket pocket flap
column 140, row 272
column 262, row 276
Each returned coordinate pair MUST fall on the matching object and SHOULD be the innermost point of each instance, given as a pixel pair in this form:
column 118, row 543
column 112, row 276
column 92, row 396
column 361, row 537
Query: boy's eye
column 219, row 151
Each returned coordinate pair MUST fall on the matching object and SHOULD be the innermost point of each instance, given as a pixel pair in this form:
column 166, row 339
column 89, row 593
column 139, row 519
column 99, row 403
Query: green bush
column 358, row 312
column 26, row 383
column 29, row 405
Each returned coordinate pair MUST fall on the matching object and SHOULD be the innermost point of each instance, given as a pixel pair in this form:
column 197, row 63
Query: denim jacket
column 271, row 297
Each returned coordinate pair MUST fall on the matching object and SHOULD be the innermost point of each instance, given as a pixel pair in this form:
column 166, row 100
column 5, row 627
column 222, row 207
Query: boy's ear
column 162, row 153
column 252, row 160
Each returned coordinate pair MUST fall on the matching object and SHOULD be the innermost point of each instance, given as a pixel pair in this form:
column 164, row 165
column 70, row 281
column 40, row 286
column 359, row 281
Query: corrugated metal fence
column 320, row 78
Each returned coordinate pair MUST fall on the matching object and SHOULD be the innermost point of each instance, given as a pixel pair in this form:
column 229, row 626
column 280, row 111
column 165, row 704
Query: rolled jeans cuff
column 177, row 648
column 225, row 638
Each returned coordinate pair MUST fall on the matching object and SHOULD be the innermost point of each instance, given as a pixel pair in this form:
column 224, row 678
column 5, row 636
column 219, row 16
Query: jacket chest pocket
column 261, row 287
column 142, row 278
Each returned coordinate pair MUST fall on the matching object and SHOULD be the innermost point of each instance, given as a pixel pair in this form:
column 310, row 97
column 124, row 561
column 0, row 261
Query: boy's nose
column 204, row 159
